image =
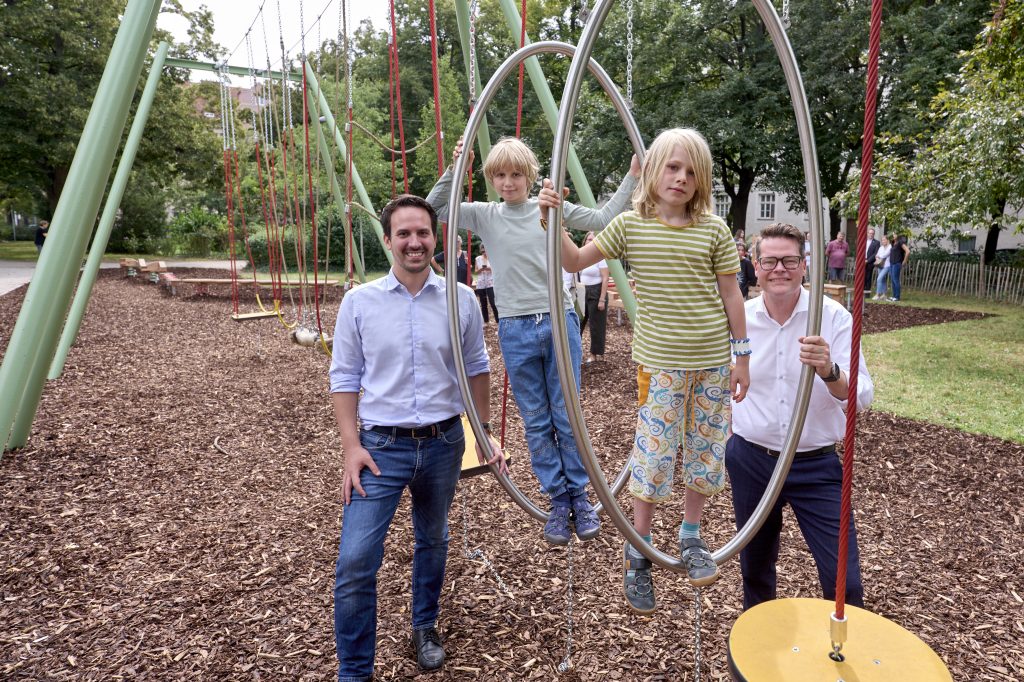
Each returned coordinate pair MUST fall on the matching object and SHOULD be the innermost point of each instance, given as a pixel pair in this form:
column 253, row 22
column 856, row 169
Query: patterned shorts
column 680, row 407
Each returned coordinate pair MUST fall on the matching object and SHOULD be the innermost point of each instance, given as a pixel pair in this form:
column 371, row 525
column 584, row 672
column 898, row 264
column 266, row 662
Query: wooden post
column 981, row 274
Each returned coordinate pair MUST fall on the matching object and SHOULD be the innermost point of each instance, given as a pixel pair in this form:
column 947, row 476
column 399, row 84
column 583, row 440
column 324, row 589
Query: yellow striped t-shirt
column 680, row 320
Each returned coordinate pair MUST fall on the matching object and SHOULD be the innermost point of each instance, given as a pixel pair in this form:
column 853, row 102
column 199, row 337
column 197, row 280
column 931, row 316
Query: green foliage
column 198, row 232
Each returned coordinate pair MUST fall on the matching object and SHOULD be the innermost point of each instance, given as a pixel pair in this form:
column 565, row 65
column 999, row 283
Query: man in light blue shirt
column 391, row 343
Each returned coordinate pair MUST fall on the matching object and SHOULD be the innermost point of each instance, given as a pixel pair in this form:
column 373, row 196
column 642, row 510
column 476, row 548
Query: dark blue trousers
column 812, row 489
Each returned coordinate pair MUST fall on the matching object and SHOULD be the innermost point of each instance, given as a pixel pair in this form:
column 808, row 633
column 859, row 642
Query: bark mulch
column 885, row 317
column 132, row 547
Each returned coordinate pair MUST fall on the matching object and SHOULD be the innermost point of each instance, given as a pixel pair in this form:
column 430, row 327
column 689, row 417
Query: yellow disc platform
column 787, row 640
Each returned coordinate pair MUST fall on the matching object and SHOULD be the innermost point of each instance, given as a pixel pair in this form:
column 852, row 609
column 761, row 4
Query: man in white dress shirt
column 392, row 343
column 776, row 323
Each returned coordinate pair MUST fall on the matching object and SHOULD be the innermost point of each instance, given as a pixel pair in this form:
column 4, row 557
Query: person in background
column 42, row 229
column 882, row 263
column 836, row 252
column 595, row 279
column 897, row 259
column 485, row 284
column 746, row 277
column 461, row 268
column 870, row 254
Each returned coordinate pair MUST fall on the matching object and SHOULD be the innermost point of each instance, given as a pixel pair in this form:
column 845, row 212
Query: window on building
column 767, row 203
column 966, row 245
column 721, row 205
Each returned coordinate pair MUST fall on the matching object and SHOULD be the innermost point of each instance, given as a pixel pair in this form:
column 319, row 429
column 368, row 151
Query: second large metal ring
column 507, row 68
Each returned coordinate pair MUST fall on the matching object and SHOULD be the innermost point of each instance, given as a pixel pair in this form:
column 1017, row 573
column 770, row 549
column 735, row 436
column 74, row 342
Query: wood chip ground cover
column 131, row 547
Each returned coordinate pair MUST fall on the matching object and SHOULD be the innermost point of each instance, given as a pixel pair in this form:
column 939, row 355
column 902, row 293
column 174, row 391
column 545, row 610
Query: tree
column 53, row 55
column 968, row 173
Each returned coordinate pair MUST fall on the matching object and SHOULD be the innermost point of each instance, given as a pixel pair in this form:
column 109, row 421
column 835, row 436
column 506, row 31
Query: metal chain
column 223, row 107
column 785, row 14
column 570, row 598
column 697, row 662
column 478, row 554
column 584, row 12
column 268, row 115
column 252, row 76
column 473, row 10
column 629, row 52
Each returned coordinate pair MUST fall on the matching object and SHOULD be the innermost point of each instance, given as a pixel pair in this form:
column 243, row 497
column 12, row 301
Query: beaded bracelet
column 740, row 347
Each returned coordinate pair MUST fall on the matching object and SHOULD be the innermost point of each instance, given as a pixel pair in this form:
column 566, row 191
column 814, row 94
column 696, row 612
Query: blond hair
column 645, row 196
column 511, row 154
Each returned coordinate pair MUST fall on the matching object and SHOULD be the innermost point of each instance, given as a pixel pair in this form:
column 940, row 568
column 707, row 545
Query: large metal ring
column 567, row 109
column 507, row 68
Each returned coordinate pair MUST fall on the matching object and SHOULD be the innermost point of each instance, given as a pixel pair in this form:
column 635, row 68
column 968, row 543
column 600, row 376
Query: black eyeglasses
column 788, row 262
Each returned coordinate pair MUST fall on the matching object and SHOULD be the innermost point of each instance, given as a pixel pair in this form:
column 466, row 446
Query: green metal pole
column 114, row 196
column 176, row 63
column 339, row 143
column 325, row 154
column 35, row 335
column 579, row 178
column 483, row 139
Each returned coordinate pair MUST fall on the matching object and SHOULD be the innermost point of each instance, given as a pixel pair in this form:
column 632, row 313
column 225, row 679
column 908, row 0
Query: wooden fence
column 959, row 279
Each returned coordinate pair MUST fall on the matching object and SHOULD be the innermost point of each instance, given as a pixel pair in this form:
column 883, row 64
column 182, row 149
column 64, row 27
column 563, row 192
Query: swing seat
column 471, row 466
column 259, row 315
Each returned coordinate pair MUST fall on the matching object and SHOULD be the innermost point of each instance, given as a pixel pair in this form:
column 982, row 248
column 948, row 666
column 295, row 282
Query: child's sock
column 647, row 538
column 689, row 530
column 635, row 553
column 560, row 500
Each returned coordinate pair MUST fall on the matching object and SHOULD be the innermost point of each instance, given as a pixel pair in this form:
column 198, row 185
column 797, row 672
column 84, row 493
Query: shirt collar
column 802, row 305
column 433, row 280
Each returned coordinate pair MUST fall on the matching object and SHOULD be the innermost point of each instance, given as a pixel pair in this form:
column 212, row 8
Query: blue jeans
column 894, row 275
column 881, row 285
column 430, row 468
column 813, row 489
column 838, row 274
column 528, row 351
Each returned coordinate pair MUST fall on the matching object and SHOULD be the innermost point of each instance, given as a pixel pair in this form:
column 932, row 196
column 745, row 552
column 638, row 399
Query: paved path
column 14, row 273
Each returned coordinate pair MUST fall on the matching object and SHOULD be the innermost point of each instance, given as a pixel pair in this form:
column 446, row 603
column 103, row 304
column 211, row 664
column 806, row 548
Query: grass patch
column 965, row 375
column 23, row 251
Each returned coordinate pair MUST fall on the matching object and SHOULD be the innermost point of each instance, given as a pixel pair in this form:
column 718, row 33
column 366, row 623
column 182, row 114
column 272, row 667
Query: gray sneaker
column 557, row 530
column 700, row 567
column 636, row 580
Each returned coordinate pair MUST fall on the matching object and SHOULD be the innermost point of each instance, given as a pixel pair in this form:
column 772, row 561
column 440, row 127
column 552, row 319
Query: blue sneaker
column 556, row 530
column 584, row 518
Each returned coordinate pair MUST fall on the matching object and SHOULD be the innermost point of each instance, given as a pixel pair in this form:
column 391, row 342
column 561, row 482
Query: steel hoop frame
column 567, row 110
column 509, row 66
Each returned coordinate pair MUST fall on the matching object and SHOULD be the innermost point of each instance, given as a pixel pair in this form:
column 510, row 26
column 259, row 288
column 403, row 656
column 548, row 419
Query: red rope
column 522, row 43
column 268, row 216
column 391, row 93
column 241, row 212
column 312, row 201
column 398, row 98
column 231, row 229
column 863, row 214
column 435, row 79
column 280, row 220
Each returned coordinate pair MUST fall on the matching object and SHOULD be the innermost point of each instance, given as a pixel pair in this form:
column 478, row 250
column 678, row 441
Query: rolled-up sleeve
column 472, row 322
column 347, row 354
column 839, row 349
column 595, row 219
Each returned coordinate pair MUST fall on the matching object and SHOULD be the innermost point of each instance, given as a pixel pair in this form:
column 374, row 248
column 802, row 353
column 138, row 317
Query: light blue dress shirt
column 395, row 347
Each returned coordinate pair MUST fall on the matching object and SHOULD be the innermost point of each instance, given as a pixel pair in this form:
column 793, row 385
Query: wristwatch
column 833, row 375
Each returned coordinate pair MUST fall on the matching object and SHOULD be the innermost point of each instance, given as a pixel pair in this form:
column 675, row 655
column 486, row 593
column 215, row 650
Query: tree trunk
column 742, row 199
column 992, row 239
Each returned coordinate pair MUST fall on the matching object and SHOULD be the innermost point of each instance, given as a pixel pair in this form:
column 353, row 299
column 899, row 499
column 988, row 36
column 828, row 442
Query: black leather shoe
column 429, row 652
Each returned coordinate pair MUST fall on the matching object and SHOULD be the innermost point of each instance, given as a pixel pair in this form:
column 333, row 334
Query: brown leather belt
column 428, row 431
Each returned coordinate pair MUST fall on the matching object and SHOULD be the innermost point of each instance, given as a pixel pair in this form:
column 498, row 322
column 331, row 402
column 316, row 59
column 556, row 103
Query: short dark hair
column 403, row 201
column 783, row 230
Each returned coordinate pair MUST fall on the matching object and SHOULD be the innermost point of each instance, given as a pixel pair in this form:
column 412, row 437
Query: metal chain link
column 349, row 52
column 697, row 662
column 570, row 598
column 474, row 8
column 785, row 14
column 269, row 115
column 584, row 12
column 223, row 107
column 478, row 554
column 629, row 52
column 252, row 76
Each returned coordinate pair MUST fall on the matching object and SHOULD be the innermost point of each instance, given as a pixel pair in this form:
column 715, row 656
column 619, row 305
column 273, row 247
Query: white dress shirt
column 763, row 417
column 396, row 348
